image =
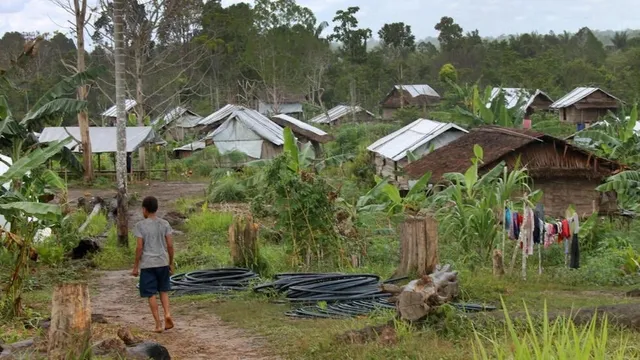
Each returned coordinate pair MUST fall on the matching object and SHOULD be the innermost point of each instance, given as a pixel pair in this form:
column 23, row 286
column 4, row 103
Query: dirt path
column 166, row 193
column 199, row 334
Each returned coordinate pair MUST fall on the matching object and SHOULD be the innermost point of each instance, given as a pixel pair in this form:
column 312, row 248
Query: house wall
column 270, row 150
column 560, row 193
column 388, row 113
column 574, row 115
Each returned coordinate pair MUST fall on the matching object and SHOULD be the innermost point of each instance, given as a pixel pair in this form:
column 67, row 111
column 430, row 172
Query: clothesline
column 529, row 229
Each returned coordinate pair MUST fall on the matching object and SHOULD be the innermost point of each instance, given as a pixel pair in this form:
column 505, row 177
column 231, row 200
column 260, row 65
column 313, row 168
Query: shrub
column 557, row 339
column 228, row 188
column 115, row 257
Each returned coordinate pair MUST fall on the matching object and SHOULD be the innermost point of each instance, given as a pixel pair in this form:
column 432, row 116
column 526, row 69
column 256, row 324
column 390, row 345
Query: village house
column 110, row 115
column 390, row 153
column 286, row 104
column 188, row 149
column 305, row 133
column 566, row 174
column 584, row 106
column 343, row 114
column 421, row 96
column 531, row 101
column 249, row 132
column 178, row 123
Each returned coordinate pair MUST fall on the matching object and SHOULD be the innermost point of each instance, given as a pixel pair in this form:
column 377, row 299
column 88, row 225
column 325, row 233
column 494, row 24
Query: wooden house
column 421, row 96
column 288, row 104
column 304, row 133
column 188, row 149
column 585, row 105
column 390, row 153
column 531, row 101
column 566, row 174
column 343, row 114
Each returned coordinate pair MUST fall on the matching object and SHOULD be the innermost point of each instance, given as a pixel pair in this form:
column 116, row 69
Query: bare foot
column 158, row 328
column 168, row 323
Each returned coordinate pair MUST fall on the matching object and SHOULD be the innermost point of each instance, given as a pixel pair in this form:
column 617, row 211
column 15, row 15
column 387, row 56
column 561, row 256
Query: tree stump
column 243, row 241
column 418, row 246
column 419, row 297
column 70, row 329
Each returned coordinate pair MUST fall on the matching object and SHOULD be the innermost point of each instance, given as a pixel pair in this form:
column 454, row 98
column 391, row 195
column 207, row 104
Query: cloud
column 12, row 6
column 490, row 17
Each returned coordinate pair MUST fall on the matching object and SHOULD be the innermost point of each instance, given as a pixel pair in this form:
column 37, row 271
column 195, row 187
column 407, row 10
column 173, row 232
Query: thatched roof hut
column 565, row 173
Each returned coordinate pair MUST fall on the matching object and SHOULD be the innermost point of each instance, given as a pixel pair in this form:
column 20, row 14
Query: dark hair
column 150, row 204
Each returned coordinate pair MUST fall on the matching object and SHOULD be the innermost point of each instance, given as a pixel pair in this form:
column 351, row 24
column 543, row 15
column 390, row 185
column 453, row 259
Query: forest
column 204, row 55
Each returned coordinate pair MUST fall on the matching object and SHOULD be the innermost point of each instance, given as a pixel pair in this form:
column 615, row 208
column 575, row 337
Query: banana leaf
column 29, row 208
column 31, row 161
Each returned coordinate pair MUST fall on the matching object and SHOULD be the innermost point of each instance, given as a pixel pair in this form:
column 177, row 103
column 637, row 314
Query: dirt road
column 166, row 192
column 199, row 334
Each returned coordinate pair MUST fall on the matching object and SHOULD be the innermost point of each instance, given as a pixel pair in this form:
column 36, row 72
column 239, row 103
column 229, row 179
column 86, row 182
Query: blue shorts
column 154, row 280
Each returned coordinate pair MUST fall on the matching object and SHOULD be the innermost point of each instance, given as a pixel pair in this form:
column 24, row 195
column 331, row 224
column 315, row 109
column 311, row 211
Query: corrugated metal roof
column 185, row 117
column 418, row 90
column 257, row 122
column 219, row 115
column 576, row 95
column 196, row 145
column 300, row 124
column 286, row 108
column 420, row 132
column 511, row 96
column 112, row 111
column 336, row 113
column 103, row 139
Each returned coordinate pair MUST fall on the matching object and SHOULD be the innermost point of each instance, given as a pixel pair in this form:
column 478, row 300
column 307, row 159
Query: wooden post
column 70, row 329
column 418, row 246
column 243, row 241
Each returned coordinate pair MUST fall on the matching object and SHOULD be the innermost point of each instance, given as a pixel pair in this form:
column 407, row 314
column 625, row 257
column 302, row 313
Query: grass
column 113, row 256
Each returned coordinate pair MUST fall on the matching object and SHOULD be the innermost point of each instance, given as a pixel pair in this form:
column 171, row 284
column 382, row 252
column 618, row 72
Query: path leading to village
column 199, row 333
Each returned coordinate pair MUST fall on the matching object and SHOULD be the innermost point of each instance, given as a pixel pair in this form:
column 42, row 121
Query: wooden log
column 498, row 263
column 418, row 246
column 70, row 329
column 96, row 210
column 420, row 297
column 243, row 241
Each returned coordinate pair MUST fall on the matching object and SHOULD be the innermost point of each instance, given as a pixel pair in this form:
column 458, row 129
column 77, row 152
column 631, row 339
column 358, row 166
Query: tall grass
column 557, row 339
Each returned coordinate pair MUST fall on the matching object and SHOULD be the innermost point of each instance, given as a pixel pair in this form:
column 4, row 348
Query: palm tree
column 121, row 123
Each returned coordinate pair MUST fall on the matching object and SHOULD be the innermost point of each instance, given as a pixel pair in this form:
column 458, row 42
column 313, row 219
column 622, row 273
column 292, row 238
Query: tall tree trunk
column 140, row 100
column 83, row 117
column 121, row 123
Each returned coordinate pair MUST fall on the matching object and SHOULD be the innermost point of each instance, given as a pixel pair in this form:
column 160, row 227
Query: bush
column 209, row 226
column 113, row 256
column 228, row 188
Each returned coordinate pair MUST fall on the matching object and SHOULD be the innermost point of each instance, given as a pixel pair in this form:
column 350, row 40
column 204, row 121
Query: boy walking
column 154, row 260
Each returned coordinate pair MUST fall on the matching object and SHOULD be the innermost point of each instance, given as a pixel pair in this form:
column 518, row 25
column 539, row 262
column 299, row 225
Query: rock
column 112, row 346
column 20, row 345
column 148, row 350
column 127, row 337
column 175, row 218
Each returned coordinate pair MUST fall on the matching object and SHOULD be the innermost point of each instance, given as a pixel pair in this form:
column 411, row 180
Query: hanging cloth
column 526, row 232
column 538, row 231
column 574, row 253
column 549, row 235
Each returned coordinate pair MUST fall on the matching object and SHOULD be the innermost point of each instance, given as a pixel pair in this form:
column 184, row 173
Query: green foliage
column 557, row 339
column 112, row 256
column 228, row 188
column 448, row 74
column 408, row 114
column 471, row 205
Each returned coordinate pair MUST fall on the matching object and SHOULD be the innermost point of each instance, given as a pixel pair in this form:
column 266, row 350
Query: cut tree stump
column 418, row 246
column 70, row 329
column 420, row 297
column 243, row 241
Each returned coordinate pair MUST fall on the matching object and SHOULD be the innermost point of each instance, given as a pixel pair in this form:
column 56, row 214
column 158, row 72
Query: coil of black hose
column 213, row 281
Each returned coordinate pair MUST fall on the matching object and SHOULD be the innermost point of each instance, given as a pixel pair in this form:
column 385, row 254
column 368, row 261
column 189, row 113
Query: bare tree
column 78, row 9
column 121, row 123
column 156, row 42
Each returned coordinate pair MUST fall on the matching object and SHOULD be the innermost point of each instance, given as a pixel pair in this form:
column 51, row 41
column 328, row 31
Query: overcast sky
column 491, row 17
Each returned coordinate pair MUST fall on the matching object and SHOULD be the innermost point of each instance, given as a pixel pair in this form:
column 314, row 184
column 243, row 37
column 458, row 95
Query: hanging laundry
column 565, row 231
column 574, row 261
column 526, row 232
column 550, row 234
column 538, row 231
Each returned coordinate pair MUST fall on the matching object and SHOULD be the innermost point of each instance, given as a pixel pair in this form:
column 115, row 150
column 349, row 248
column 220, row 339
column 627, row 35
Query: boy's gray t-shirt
column 154, row 249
